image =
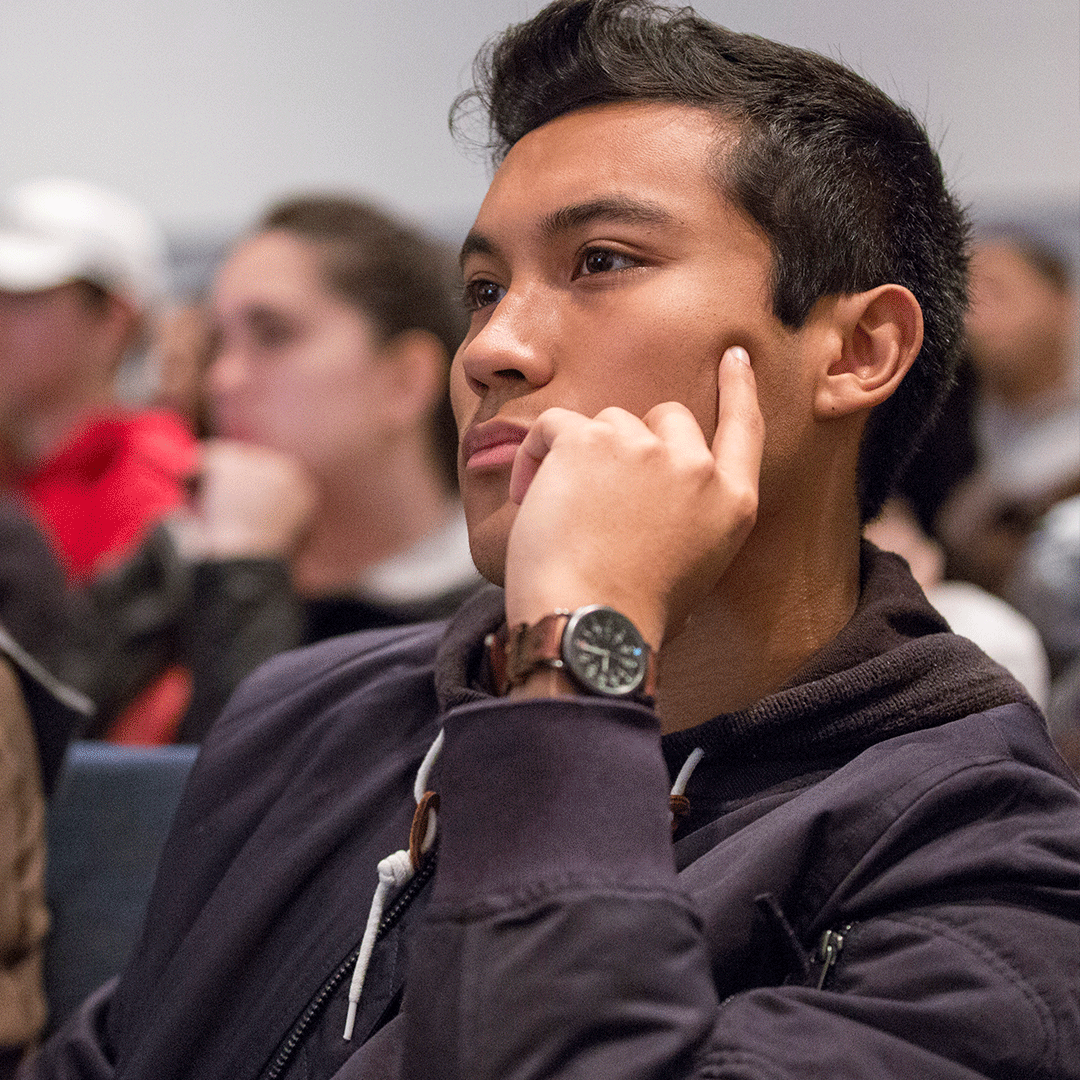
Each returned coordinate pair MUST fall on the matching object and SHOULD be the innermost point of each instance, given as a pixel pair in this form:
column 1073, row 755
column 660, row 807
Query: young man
column 699, row 286
column 81, row 271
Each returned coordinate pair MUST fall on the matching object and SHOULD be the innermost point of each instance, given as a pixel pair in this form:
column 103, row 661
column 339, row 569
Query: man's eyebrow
column 618, row 209
column 622, row 209
column 475, row 244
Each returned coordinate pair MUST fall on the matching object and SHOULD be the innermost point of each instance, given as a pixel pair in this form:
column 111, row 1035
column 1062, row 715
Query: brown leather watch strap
column 539, row 645
column 515, row 652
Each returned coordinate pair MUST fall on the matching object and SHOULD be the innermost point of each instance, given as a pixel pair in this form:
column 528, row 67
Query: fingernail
column 737, row 352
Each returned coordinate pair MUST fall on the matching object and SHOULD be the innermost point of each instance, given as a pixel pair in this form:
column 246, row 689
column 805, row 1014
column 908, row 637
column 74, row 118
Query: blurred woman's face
column 296, row 366
column 1016, row 319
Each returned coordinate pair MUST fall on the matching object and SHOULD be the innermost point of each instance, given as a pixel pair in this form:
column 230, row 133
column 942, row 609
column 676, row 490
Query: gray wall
column 206, row 109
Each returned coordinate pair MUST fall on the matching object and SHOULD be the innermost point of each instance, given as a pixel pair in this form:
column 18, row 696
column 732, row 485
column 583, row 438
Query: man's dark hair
column 841, row 180
column 394, row 274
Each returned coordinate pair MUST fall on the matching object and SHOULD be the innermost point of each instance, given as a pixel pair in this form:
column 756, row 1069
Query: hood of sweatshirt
column 895, row 668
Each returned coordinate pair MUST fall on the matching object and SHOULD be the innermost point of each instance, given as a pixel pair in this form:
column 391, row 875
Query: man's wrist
column 544, row 682
column 649, row 618
column 594, row 649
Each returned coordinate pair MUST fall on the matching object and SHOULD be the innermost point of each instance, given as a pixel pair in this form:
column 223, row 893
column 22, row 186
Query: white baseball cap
column 58, row 230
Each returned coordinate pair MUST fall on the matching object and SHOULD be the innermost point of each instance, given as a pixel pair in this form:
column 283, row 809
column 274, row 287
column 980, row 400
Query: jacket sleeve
column 78, row 1051
column 242, row 612
column 548, row 867
column 220, row 620
column 559, row 941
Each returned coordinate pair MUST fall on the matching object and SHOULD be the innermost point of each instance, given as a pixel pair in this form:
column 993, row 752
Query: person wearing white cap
column 81, row 270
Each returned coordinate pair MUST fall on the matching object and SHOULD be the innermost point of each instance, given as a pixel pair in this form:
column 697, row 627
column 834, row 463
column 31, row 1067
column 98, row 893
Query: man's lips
column 492, row 444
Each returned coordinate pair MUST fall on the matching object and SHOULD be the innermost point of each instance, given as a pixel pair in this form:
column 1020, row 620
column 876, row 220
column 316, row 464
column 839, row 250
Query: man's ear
column 880, row 333
column 121, row 327
column 415, row 367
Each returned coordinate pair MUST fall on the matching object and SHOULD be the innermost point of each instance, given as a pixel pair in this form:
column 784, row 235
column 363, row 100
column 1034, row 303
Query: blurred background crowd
column 224, row 421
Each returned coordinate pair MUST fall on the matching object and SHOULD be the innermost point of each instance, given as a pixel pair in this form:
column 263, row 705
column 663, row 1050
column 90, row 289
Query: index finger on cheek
column 740, row 429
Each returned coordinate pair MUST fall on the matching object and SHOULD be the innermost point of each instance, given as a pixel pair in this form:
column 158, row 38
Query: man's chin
column 487, row 541
column 491, row 566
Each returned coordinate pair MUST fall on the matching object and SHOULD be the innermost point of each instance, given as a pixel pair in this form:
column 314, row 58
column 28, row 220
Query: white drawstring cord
column 678, row 789
column 421, row 781
column 398, row 868
column 394, row 872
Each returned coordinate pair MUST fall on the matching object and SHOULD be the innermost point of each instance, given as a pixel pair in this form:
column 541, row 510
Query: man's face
column 43, row 338
column 605, row 268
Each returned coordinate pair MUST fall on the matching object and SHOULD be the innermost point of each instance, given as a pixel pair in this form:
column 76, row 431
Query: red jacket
column 103, row 490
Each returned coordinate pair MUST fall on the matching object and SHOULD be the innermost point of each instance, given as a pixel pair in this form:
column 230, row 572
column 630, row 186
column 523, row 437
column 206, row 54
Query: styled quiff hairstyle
column 841, row 180
column 393, row 274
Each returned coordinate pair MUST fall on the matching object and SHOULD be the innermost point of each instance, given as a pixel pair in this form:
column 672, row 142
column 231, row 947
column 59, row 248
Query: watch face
column 604, row 651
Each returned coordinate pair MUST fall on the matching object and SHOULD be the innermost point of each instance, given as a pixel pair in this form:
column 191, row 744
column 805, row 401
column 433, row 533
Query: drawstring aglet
column 680, row 804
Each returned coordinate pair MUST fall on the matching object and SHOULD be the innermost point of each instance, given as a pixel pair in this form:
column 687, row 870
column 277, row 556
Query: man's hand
column 640, row 514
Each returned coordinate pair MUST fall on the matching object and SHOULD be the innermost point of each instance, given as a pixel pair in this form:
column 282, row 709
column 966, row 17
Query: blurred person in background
column 1012, row 525
column 37, row 715
column 82, row 272
column 326, row 499
column 335, row 328
column 24, row 918
column 1025, row 409
column 996, row 483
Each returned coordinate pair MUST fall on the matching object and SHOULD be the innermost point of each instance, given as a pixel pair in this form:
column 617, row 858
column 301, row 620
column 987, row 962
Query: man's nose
column 514, row 346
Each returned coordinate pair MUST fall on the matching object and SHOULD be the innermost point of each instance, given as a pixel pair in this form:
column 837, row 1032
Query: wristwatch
column 599, row 647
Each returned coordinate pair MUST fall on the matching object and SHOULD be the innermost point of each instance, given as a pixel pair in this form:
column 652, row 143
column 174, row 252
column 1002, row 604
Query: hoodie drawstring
column 398, row 868
column 395, row 871
column 680, row 804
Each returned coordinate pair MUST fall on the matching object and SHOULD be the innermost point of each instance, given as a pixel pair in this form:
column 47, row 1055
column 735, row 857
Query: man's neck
column 772, row 612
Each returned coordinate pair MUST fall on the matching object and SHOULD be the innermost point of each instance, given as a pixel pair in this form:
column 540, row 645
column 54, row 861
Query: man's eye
column 600, row 260
column 481, row 294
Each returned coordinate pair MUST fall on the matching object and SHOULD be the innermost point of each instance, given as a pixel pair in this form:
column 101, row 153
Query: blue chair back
column 106, row 826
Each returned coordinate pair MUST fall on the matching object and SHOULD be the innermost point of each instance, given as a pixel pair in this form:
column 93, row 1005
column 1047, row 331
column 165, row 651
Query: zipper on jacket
column 828, row 951
column 287, row 1047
